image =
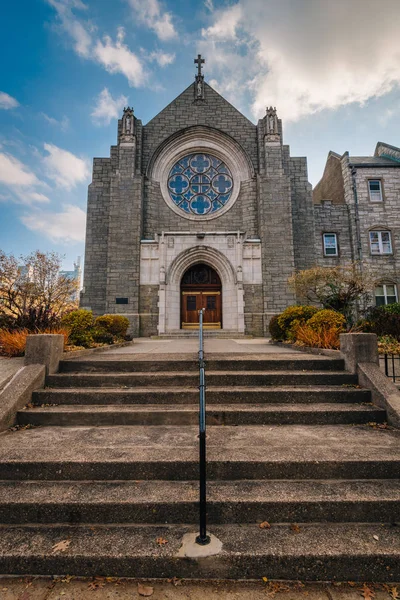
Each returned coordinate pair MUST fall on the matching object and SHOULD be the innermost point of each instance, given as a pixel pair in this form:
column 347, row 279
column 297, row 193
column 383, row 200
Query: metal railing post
column 202, row 538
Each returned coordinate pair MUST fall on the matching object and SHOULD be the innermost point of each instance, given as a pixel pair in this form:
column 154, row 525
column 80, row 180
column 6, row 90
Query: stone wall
column 275, row 230
column 331, row 186
column 253, row 309
column 377, row 215
column 332, row 218
column 302, row 214
column 148, row 309
column 93, row 295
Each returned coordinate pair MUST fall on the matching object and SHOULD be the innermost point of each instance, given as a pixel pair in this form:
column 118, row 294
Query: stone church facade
column 200, row 208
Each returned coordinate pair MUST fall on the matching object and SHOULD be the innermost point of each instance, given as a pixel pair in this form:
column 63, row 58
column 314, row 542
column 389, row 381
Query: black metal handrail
column 202, row 538
column 391, row 363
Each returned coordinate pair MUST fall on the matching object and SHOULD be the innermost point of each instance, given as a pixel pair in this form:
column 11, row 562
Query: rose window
column 200, row 184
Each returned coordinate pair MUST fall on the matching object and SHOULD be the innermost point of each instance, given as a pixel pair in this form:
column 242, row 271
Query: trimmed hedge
column 294, row 316
column 326, row 318
column 276, row 331
column 116, row 325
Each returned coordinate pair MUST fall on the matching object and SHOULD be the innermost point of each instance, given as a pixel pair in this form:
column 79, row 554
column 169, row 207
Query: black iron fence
column 390, row 364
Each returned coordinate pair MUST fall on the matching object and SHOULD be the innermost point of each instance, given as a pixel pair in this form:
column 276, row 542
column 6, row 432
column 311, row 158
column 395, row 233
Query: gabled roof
column 379, row 161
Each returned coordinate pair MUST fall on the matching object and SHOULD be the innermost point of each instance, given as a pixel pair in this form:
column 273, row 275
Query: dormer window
column 375, row 190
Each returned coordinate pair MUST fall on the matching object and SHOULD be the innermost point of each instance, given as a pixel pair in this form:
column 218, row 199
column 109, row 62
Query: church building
column 201, row 208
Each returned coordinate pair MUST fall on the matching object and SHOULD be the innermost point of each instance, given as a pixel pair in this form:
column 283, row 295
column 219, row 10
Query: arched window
column 385, row 293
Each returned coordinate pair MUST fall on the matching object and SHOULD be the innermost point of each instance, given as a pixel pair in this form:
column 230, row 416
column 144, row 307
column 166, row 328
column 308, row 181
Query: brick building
column 200, row 208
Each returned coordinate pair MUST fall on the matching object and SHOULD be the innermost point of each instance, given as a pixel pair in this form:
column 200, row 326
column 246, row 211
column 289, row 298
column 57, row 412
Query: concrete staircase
column 112, row 469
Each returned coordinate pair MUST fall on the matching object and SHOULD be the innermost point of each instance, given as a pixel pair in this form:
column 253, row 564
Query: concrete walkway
column 191, row 345
column 66, row 588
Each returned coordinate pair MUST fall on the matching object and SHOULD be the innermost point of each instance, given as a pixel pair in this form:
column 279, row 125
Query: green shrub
column 80, row 324
column 275, row 329
column 116, row 325
column 393, row 309
column 294, row 316
column 84, row 339
column 326, row 318
column 382, row 321
column 101, row 336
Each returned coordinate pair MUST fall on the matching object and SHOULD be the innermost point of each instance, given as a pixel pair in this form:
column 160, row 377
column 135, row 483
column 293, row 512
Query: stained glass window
column 200, row 184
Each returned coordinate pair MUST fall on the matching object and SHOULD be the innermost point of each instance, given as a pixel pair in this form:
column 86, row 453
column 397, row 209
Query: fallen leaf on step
column 96, row 584
column 161, row 542
column 376, row 537
column 144, row 590
column 366, row 592
column 265, row 579
column 274, row 587
column 295, row 528
column 175, row 581
column 351, row 583
column 265, row 525
column 393, row 593
column 61, row 546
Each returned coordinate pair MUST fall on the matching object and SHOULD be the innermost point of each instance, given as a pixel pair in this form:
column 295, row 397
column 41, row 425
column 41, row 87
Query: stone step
column 190, row 395
column 213, row 378
column 235, row 363
column 317, row 552
column 177, row 501
column 231, row 334
column 188, row 414
column 171, row 453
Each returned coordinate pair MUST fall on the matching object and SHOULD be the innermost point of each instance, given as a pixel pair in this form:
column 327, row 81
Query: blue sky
column 69, row 66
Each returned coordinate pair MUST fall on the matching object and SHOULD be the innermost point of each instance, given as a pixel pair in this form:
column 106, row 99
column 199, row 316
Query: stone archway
column 170, row 291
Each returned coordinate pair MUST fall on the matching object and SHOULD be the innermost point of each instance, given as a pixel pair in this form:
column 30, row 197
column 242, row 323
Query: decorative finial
column 199, row 61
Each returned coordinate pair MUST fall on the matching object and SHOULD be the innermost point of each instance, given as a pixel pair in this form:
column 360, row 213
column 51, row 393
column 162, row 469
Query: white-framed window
column 375, row 190
column 385, row 293
column 330, row 244
column 380, row 242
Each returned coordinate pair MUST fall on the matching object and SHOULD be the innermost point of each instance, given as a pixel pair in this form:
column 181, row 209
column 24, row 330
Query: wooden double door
column 201, row 288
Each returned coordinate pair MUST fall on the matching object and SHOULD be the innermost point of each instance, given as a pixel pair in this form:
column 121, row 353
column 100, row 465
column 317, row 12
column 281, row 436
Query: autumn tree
column 346, row 289
column 33, row 294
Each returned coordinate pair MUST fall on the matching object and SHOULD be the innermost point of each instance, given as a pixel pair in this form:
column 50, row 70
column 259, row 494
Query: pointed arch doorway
column 201, row 288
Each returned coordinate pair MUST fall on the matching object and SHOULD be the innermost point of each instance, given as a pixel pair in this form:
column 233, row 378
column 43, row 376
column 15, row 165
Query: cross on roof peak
column 199, row 62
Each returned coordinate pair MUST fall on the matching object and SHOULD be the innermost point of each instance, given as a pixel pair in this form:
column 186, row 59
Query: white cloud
column 162, row 58
column 20, row 181
column 7, row 101
column 65, row 226
column 107, row 107
column 209, row 4
column 225, row 25
column 150, row 13
column 64, row 168
column 304, row 57
column 14, row 173
column 117, row 58
column 61, row 124
column 80, row 34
